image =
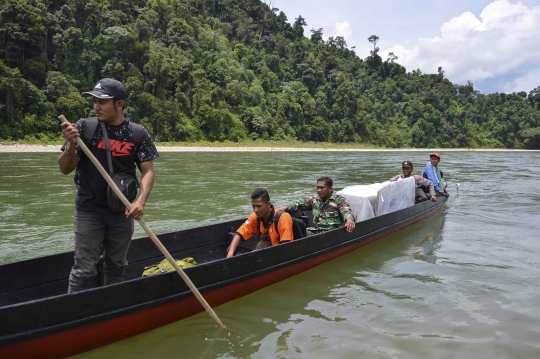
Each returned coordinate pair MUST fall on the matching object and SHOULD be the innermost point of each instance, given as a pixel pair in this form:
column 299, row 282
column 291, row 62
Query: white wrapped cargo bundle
column 394, row 196
column 362, row 200
column 368, row 201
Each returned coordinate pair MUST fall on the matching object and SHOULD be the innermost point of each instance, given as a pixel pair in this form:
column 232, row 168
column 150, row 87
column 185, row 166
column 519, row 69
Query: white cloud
column 525, row 83
column 343, row 29
column 502, row 47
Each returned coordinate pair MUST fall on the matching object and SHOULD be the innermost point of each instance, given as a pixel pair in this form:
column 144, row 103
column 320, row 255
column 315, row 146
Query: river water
column 463, row 283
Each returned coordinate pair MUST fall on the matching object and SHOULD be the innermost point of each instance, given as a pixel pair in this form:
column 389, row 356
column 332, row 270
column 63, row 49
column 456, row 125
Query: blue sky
column 493, row 43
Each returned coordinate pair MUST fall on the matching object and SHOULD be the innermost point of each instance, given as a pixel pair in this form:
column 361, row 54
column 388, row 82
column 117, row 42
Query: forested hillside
column 233, row 70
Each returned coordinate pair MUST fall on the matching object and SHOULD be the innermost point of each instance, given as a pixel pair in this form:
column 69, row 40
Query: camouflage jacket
column 419, row 180
column 327, row 215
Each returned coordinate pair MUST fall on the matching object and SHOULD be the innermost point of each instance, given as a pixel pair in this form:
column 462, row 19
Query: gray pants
column 421, row 196
column 95, row 232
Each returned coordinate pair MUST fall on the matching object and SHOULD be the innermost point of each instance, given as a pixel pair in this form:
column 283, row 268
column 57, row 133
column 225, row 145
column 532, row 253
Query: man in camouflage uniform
column 330, row 210
column 420, row 181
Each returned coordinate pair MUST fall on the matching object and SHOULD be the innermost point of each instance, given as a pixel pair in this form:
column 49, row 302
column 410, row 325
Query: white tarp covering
column 394, row 196
column 362, row 200
column 368, row 201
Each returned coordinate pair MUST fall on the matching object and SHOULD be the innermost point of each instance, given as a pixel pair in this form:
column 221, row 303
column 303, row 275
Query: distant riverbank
column 168, row 148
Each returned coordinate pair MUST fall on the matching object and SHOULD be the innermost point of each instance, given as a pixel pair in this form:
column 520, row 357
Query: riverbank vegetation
column 236, row 70
column 58, row 140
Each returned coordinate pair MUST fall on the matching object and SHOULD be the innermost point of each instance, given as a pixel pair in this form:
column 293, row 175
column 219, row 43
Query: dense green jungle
column 235, row 70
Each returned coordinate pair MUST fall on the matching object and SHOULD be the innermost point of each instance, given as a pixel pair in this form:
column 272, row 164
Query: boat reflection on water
column 432, row 236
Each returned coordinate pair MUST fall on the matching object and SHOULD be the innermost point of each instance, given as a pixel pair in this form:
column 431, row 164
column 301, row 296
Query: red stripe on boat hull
column 92, row 336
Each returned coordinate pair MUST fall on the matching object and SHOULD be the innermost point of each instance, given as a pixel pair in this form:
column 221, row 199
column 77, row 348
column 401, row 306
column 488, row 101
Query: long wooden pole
column 148, row 231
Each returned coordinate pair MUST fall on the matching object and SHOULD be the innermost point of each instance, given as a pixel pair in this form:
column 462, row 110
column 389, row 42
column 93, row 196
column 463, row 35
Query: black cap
column 406, row 164
column 107, row 88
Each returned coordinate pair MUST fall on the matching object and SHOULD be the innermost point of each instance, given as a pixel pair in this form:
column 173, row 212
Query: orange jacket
column 249, row 228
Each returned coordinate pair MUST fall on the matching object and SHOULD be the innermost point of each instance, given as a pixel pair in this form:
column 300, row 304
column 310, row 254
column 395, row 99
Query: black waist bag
column 127, row 184
column 125, row 181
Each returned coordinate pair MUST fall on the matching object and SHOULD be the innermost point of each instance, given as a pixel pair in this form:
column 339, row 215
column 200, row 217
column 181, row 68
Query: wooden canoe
column 39, row 320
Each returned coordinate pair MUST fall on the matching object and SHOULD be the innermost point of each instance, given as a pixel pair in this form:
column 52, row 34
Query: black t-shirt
column 91, row 186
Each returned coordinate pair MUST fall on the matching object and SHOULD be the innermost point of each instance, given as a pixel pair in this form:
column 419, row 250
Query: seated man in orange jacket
column 263, row 216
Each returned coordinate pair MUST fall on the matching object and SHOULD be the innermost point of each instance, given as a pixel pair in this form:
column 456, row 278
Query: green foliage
column 235, row 70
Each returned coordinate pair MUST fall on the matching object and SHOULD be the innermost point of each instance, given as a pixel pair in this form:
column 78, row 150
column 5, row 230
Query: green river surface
column 463, row 283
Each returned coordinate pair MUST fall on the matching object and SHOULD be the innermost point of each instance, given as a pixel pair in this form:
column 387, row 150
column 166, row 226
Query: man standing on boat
column 432, row 173
column 261, row 222
column 407, row 168
column 330, row 210
column 118, row 145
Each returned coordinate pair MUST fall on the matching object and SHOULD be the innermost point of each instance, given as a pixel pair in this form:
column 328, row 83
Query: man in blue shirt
column 432, row 173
